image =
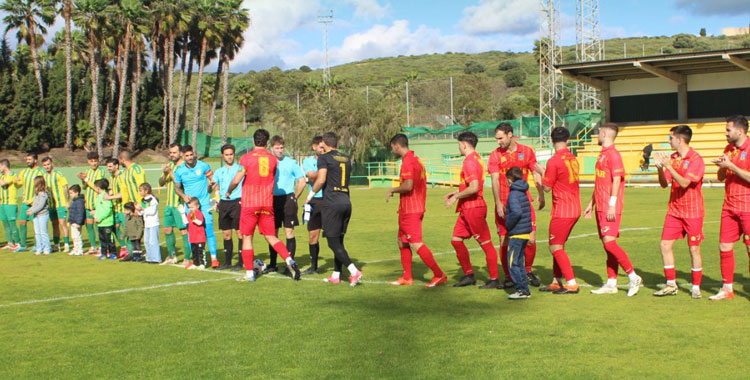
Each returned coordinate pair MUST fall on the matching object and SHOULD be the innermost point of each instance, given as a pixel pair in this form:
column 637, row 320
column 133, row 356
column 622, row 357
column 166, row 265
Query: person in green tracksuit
column 104, row 217
column 9, row 205
column 25, row 180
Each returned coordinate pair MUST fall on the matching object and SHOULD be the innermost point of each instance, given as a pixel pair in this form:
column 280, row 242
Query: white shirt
column 151, row 213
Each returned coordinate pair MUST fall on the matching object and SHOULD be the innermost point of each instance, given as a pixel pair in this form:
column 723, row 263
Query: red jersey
column 413, row 201
column 472, row 170
column 259, row 167
column 196, row 233
column 562, row 176
column 502, row 159
column 687, row 202
column 737, row 190
column 608, row 166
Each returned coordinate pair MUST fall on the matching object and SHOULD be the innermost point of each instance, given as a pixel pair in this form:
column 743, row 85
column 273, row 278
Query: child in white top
column 149, row 209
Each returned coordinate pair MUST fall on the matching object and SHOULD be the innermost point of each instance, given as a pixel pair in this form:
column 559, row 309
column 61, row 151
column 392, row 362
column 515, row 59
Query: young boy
column 76, row 218
column 518, row 224
column 104, row 217
column 196, row 232
column 133, row 231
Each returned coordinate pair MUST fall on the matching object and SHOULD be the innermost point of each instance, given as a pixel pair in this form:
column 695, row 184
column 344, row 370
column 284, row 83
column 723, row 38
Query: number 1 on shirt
column 343, row 174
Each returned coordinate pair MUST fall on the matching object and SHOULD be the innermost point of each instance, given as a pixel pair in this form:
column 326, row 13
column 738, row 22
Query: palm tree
column 66, row 10
column 237, row 21
column 209, row 26
column 88, row 16
column 244, row 94
column 140, row 31
column 30, row 17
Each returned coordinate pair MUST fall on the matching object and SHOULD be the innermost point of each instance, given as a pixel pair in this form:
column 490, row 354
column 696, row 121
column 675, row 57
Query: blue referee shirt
column 224, row 176
column 195, row 181
column 310, row 164
column 287, row 173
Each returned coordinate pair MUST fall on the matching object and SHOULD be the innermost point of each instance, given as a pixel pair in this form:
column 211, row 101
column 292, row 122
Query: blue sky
column 285, row 34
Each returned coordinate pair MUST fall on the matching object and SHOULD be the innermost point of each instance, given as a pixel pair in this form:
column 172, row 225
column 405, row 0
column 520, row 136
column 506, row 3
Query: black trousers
column 105, row 239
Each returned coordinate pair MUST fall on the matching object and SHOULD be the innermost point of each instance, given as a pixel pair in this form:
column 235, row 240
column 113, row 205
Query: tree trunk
column 198, row 90
column 183, row 112
column 212, row 111
column 177, row 118
column 95, row 95
column 244, row 118
column 224, row 102
column 35, row 61
column 170, row 85
column 134, row 89
column 68, row 79
column 110, row 101
column 123, row 83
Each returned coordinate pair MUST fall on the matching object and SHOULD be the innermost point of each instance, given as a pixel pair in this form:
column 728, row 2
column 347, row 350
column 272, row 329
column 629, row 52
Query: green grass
column 276, row 328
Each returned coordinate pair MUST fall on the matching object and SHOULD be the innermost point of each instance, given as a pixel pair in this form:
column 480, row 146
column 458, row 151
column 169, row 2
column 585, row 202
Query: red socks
column 280, row 248
column 248, row 258
column 611, row 265
column 406, row 262
column 462, row 253
column 489, row 252
column 697, row 276
column 529, row 255
column 727, row 266
column 619, row 253
column 426, row 255
column 670, row 273
column 504, row 260
column 562, row 265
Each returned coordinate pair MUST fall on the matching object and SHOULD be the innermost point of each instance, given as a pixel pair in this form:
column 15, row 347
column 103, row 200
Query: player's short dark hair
column 92, row 156
column 260, row 137
column 683, row 131
column 32, row 155
column 186, row 148
column 277, row 140
column 130, row 206
column 317, row 140
column 102, row 184
column 172, row 145
column 514, row 174
column 113, row 161
column 75, row 188
column 331, row 139
column 195, row 201
column 468, row 137
column 610, row 126
column 560, row 134
column 400, row 139
column 738, row 121
column 227, row 146
column 505, row 127
column 45, row 159
column 5, row 162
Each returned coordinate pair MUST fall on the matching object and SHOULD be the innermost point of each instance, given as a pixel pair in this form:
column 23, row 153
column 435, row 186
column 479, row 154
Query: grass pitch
column 75, row 317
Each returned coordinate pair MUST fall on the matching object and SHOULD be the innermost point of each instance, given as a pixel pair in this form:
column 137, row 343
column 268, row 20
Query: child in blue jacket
column 518, row 224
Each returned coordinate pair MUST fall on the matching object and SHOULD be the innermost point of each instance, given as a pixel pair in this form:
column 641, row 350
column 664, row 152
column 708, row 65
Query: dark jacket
column 133, row 227
column 518, row 209
column 77, row 211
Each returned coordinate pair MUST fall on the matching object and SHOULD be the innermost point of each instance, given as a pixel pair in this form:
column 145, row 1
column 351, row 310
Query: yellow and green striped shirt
column 92, row 175
column 26, row 179
column 57, row 184
column 117, row 184
column 134, row 176
column 173, row 200
column 9, row 193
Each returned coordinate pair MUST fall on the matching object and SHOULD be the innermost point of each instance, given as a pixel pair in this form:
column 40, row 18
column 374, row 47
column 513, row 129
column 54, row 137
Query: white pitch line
column 538, row 241
column 127, row 290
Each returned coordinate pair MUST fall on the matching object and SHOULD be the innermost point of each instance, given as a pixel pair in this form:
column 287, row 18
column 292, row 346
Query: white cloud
column 399, row 39
column 368, row 9
column 715, row 7
column 517, row 17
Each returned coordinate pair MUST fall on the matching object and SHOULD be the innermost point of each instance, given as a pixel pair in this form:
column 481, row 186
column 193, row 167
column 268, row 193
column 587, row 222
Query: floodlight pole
column 453, row 120
column 588, row 48
column 550, row 85
column 407, row 104
column 325, row 18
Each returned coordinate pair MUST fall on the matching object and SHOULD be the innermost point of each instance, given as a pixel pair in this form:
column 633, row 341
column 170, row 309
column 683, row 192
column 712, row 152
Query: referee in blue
column 290, row 183
column 229, row 209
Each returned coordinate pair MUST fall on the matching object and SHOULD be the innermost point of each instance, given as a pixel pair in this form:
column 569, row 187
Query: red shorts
column 257, row 216
column 677, row 228
column 607, row 228
column 472, row 222
column 410, row 227
column 733, row 225
column 559, row 230
column 500, row 222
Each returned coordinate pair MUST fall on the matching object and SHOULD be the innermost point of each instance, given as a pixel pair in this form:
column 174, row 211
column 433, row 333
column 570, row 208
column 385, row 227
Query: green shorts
column 89, row 214
column 172, row 218
column 119, row 218
column 8, row 213
column 58, row 213
column 23, row 216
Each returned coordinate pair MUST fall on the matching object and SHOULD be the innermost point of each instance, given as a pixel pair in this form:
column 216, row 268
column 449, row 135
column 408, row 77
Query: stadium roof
column 674, row 67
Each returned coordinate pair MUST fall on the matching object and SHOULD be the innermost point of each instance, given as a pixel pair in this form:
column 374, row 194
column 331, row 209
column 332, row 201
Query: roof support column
column 682, row 102
column 605, row 104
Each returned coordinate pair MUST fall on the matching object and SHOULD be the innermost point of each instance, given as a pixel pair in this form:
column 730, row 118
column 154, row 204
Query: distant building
column 736, row 31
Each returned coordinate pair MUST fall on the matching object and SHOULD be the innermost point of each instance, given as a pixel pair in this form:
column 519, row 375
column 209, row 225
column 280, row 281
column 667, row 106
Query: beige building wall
column 736, row 31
